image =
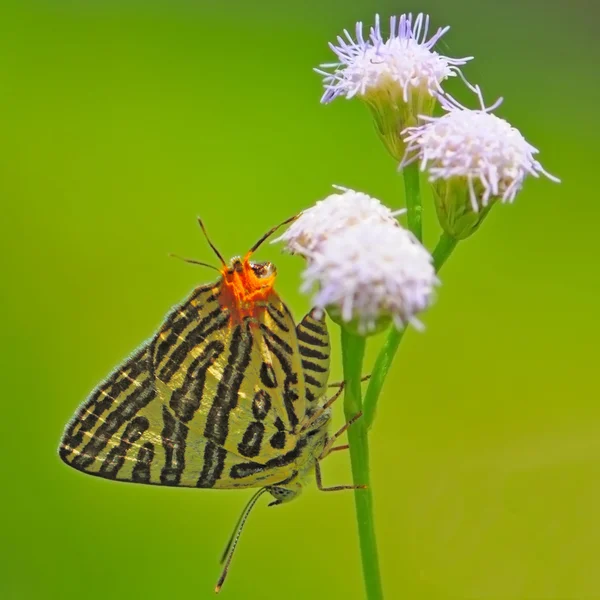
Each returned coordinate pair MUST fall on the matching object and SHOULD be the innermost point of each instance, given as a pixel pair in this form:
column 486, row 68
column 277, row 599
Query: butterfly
column 229, row 393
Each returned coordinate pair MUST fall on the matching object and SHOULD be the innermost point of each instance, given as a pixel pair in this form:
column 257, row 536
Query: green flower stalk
column 353, row 349
column 397, row 76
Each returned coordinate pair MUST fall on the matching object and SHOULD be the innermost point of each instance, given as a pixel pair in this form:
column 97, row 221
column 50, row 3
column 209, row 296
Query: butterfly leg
column 322, row 409
column 338, row 448
column 340, row 384
column 335, row 488
column 327, row 404
column 328, row 449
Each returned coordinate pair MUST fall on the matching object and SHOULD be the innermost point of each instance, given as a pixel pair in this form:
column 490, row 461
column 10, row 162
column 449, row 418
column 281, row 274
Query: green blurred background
column 122, row 121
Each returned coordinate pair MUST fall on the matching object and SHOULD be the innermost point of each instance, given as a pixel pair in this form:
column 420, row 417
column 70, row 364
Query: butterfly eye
column 263, row 270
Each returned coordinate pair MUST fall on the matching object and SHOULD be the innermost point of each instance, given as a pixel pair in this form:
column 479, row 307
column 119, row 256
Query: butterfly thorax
column 246, row 286
column 313, row 441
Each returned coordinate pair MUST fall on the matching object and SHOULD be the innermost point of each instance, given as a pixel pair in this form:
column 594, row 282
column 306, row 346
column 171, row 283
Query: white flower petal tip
column 369, row 272
column 486, row 151
column 401, row 63
column 331, row 215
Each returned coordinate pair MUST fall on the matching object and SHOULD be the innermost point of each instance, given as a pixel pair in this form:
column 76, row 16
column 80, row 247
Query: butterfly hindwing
column 314, row 348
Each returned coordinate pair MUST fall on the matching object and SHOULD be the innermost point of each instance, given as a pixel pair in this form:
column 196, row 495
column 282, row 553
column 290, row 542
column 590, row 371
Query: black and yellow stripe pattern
column 314, row 348
column 209, row 401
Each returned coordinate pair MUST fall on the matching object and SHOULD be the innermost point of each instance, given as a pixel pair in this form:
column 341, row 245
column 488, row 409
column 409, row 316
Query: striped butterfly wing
column 202, row 404
column 274, row 376
column 125, row 431
column 265, row 429
column 314, row 348
column 109, row 420
column 244, row 389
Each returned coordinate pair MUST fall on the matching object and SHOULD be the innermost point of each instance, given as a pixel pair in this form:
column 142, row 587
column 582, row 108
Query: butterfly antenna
column 235, row 536
column 214, row 248
column 194, row 262
column 269, row 234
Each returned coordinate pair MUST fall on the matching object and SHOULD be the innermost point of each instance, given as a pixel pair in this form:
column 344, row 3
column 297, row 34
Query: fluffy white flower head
column 476, row 145
column 402, row 63
column 372, row 271
column 327, row 217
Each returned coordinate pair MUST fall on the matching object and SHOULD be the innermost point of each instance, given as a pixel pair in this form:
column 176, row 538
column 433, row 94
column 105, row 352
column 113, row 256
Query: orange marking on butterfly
column 246, row 288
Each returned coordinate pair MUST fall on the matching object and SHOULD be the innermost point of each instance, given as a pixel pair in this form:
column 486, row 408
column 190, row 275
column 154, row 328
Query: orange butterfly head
column 246, row 287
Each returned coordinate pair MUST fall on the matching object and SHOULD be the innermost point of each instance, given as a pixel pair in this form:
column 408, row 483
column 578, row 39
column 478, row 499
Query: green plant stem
column 386, row 355
column 414, row 210
column 380, row 370
column 443, row 250
column 353, row 349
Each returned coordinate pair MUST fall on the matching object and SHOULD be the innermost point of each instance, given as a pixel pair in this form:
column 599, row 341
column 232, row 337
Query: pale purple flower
column 400, row 64
column 327, row 217
column 369, row 272
column 489, row 154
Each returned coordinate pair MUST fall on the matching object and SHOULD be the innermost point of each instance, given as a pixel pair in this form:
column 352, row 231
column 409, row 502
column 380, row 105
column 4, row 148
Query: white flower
column 369, row 272
column 488, row 153
column 331, row 215
column 367, row 269
column 398, row 65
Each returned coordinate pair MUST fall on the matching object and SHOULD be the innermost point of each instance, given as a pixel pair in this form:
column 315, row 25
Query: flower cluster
column 472, row 157
column 366, row 268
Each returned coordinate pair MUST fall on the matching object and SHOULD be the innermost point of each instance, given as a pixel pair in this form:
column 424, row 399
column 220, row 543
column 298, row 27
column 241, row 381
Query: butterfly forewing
column 185, row 334
column 107, row 424
column 139, row 438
